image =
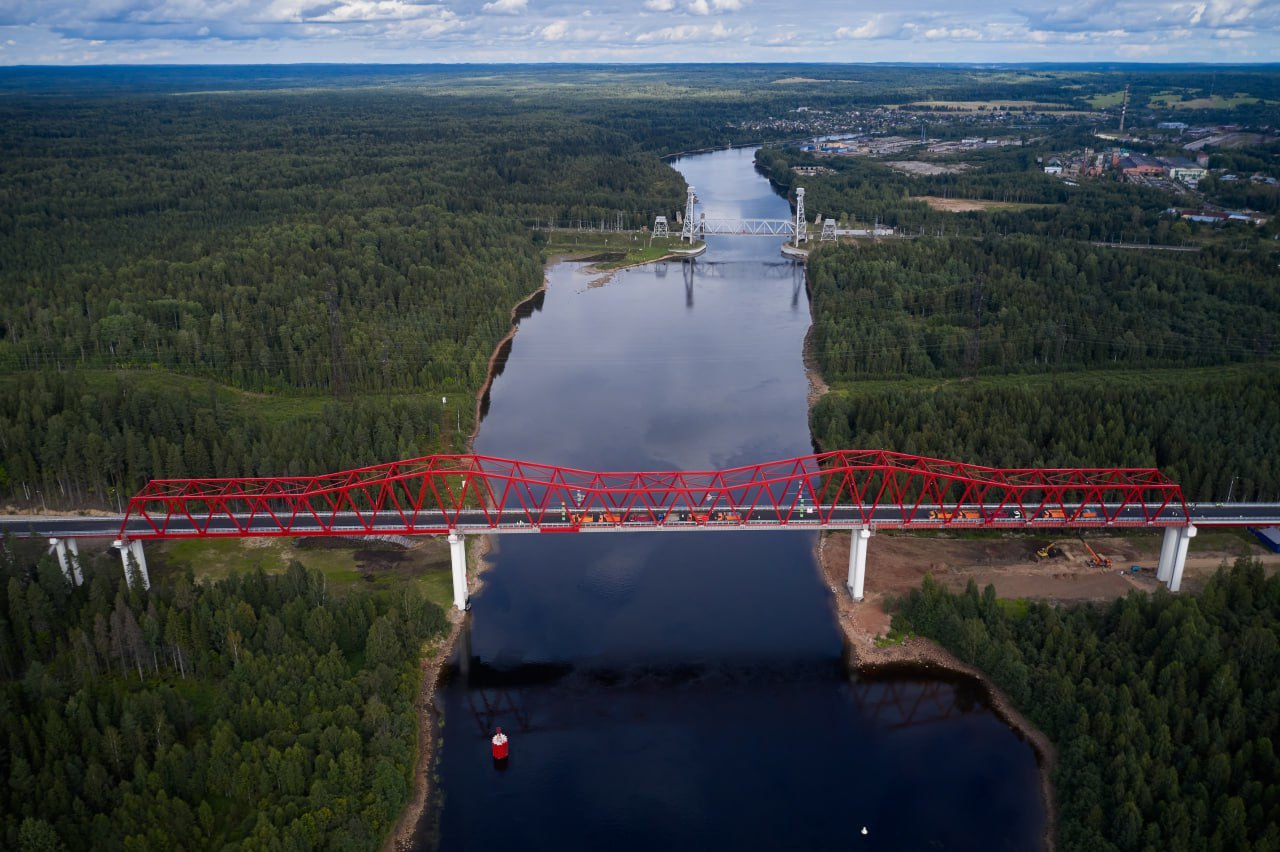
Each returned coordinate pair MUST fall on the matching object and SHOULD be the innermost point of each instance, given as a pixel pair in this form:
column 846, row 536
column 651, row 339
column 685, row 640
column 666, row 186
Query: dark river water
column 668, row 691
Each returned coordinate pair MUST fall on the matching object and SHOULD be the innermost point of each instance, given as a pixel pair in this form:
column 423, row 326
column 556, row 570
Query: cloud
column 713, row 7
column 691, row 32
column 104, row 31
column 366, row 10
column 879, row 25
column 506, row 7
column 1154, row 18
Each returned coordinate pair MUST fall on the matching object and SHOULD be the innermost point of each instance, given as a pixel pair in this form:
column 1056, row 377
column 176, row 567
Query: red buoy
column 499, row 745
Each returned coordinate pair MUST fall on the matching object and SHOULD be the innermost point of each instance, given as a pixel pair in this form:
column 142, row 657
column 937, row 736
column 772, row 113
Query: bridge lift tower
column 689, row 229
column 802, row 227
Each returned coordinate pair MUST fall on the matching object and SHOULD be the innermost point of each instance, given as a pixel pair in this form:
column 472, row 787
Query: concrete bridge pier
column 858, row 540
column 134, row 561
column 1168, row 549
column 1185, row 534
column 458, row 556
column 68, row 553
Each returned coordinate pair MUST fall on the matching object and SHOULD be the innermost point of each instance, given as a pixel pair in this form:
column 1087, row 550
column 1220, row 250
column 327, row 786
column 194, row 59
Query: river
column 670, row 691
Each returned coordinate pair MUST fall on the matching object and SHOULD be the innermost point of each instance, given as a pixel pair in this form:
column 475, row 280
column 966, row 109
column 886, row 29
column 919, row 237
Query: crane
column 1095, row 561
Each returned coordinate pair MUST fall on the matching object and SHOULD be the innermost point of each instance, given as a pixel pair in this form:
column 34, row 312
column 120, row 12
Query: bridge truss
column 746, row 227
column 474, row 493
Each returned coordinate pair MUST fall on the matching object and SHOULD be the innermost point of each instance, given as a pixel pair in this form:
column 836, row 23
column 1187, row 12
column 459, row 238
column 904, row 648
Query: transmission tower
column 1124, row 106
column 828, row 230
column 660, row 227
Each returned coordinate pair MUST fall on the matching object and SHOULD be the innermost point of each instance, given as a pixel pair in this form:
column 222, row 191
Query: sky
column 93, row 32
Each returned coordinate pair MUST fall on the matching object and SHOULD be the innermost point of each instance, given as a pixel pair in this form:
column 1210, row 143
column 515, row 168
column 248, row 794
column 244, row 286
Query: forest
column 1173, row 420
column 1162, row 707
column 312, row 246
column 264, row 711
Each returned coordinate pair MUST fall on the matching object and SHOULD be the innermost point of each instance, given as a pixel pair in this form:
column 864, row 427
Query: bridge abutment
column 458, row 558
column 858, row 540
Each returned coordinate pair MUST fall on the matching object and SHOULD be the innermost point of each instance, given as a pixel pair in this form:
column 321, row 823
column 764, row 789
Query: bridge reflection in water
column 508, row 696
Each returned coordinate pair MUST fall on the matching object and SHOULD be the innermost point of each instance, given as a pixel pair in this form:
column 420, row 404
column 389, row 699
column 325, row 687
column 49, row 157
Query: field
column 970, row 205
column 993, row 106
column 344, row 562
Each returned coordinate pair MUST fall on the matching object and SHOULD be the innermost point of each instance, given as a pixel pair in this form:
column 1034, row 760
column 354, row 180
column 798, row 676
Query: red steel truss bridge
column 853, row 489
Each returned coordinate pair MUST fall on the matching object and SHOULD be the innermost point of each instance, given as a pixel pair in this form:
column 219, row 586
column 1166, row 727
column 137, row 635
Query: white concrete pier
column 134, row 561
column 1185, row 534
column 858, row 540
column 68, row 553
column 458, row 556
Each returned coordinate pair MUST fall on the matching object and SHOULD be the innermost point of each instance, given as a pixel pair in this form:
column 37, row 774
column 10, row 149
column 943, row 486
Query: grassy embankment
column 616, row 249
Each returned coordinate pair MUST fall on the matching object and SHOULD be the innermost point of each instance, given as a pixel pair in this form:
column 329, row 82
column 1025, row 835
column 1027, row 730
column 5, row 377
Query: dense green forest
column 262, row 711
column 341, row 245
column 1172, row 419
column 82, row 435
column 911, row 307
column 1163, row 707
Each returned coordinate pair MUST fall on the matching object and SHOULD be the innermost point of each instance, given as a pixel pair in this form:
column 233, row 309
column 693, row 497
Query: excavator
column 1095, row 561
column 1049, row 551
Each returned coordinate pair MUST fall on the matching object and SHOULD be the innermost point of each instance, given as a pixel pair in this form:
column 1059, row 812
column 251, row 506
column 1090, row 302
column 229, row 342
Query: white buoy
column 864, row 829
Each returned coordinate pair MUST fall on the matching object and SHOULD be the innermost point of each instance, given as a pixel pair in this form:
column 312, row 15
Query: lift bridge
column 696, row 226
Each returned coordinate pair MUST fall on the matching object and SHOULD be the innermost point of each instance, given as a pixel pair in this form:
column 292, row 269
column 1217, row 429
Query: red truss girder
column 845, row 488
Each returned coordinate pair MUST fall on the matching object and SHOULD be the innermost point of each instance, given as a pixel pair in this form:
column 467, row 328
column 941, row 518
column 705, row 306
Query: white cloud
column 554, row 31
column 506, row 7
column 879, row 25
column 369, row 10
column 659, row 5
column 712, row 7
column 691, row 32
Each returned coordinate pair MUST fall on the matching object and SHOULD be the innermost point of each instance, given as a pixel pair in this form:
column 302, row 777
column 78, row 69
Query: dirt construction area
column 897, row 563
